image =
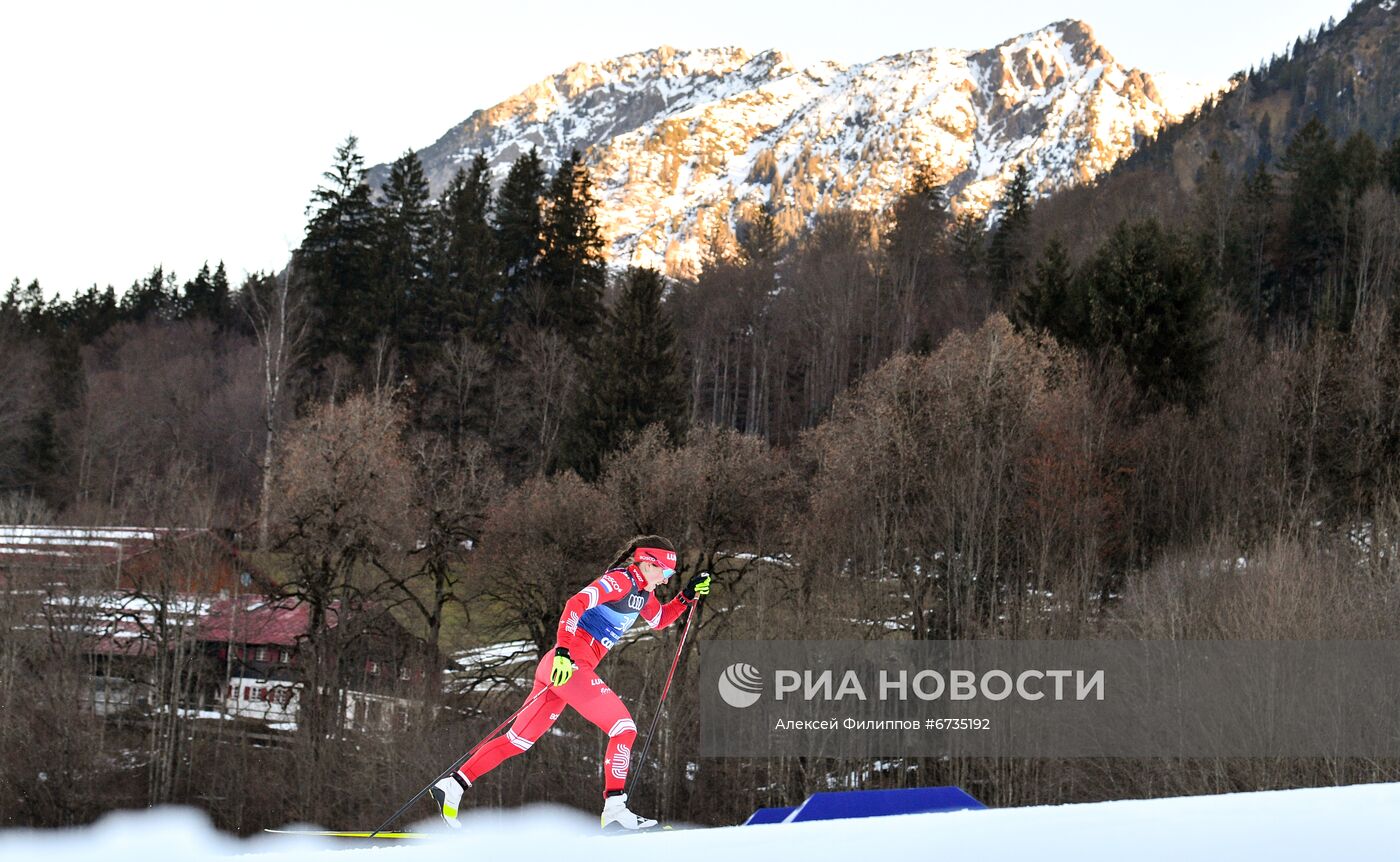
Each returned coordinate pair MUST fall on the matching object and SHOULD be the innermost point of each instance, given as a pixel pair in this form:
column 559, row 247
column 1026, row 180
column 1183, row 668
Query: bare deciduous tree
column 543, row 542
column 536, row 396
column 451, row 491
column 919, row 482
column 158, row 392
column 460, row 379
column 345, row 485
column 279, row 314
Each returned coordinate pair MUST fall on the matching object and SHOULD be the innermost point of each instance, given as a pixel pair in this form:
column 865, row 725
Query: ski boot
column 447, row 793
column 616, row 815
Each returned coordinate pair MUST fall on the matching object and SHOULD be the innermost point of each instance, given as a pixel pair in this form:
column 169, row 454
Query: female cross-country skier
column 592, row 622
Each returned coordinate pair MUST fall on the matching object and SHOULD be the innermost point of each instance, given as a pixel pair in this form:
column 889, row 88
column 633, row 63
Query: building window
column 372, row 668
column 260, row 654
column 284, row 656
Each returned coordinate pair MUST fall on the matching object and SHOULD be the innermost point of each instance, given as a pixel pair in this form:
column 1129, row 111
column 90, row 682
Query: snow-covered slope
column 1180, row 96
column 683, row 144
column 1352, row 823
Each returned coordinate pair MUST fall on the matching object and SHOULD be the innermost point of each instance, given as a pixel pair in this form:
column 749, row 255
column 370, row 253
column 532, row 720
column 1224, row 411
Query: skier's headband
column 658, row 557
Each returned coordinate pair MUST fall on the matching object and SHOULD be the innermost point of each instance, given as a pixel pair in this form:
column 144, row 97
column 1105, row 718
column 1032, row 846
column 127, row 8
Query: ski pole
column 646, row 744
column 458, row 765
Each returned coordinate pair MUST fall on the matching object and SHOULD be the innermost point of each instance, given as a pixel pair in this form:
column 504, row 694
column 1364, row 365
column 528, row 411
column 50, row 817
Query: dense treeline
column 1339, row 74
column 1054, row 423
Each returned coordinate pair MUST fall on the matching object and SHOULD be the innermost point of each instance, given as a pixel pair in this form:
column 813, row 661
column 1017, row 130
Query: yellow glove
column 698, row 586
column 563, row 667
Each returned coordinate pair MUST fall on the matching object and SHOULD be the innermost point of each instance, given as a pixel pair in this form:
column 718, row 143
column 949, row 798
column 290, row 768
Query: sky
column 139, row 133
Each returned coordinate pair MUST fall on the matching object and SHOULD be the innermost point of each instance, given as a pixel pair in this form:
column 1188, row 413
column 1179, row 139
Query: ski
column 423, row 836
column 328, row 833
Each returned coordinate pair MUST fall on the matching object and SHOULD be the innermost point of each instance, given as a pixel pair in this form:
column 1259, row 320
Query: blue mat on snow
column 882, row 803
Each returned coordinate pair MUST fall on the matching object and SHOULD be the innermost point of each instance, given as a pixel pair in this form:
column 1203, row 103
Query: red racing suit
column 592, row 622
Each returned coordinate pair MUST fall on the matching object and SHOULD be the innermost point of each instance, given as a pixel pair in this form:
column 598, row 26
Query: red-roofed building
column 259, row 620
column 134, row 597
column 260, row 640
column 127, row 595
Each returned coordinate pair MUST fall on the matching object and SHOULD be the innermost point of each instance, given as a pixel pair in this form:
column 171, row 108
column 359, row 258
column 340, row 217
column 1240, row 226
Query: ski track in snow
column 1353, row 823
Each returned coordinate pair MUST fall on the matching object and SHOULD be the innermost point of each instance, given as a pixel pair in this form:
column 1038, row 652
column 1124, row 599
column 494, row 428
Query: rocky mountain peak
column 685, row 144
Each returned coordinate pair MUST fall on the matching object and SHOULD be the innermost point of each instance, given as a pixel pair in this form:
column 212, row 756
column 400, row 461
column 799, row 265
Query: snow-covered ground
column 1351, row 823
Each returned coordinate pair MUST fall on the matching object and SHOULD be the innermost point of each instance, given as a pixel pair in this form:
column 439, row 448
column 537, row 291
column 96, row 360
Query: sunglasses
column 655, row 557
column 665, row 572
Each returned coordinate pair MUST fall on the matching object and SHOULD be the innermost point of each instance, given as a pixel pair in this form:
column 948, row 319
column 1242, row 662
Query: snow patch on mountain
column 1180, row 97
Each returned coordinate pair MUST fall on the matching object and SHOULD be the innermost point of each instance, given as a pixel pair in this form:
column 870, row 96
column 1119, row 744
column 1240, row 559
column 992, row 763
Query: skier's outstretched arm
column 659, row 616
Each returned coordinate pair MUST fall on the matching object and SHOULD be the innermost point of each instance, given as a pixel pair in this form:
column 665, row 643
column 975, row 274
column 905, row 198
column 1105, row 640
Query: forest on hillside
column 1183, row 422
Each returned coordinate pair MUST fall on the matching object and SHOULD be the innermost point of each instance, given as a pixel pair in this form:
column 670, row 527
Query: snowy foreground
column 1359, row 822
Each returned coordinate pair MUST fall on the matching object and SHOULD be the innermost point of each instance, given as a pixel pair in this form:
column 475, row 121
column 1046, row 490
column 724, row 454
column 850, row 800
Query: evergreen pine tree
column 406, row 222
column 519, row 230
column 1257, row 287
column 337, row 260
column 196, row 291
column 25, row 310
column 12, row 307
column 220, row 305
column 91, row 313
column 1148, row 304
column 1006, row 252
column 969, row 246
column 206, row 296
column 1390, row 166
column 1049, row 302
column 573, row 269
column 633, row 377
column 758, row 238
column 1312, row 232
column 154, row 298
column 916, row 255
column 1358, row 165
column 469, row 283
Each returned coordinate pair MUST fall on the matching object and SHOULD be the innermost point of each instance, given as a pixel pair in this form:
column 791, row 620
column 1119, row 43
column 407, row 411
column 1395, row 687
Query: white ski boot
column 447, row 793
column 616, row 815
